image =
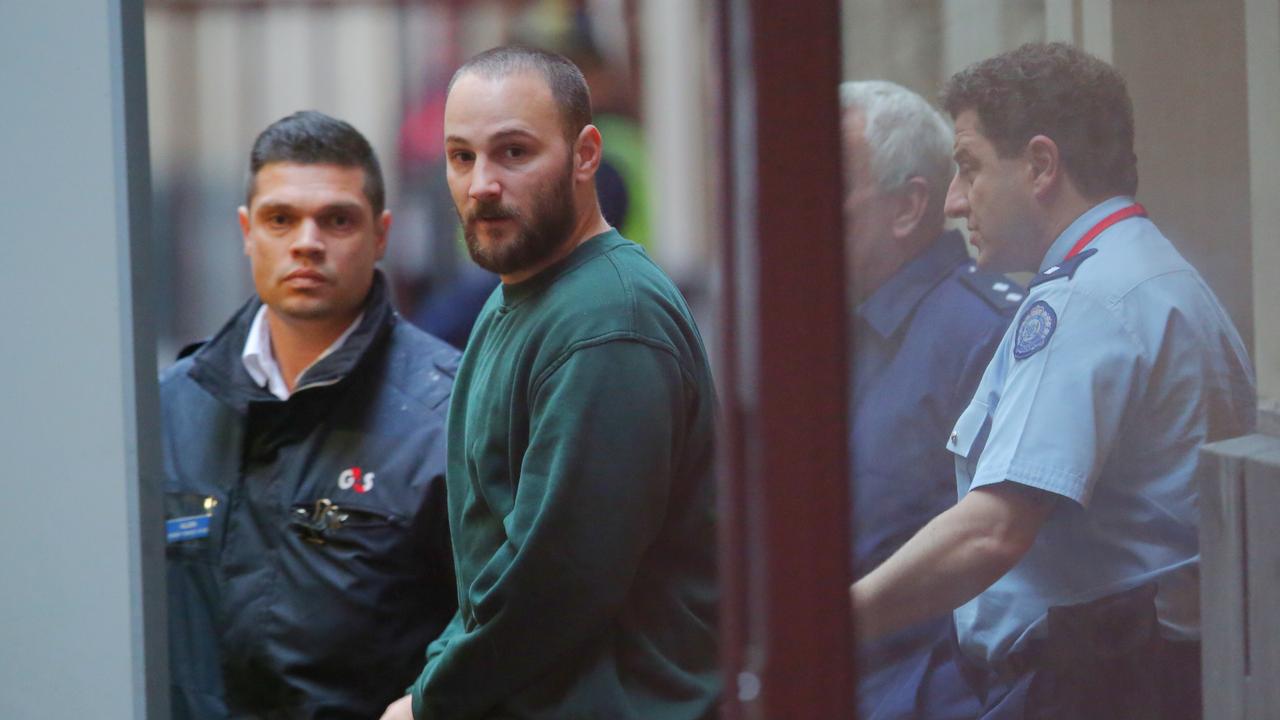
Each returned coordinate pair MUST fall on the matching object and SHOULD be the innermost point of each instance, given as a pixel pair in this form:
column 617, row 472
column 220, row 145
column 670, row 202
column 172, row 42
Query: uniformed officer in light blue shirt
column 1075, row 458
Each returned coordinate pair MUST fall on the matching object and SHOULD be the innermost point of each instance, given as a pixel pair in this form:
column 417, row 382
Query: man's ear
column 588, row 150
column 382, row 227
column 910, row 203
column 243, row 213
column 1045, row 164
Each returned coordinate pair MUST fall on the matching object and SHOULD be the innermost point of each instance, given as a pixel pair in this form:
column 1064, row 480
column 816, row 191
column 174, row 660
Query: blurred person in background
column 581, row 495
column 308, row 551
column 1071, row 559
column 925, row 323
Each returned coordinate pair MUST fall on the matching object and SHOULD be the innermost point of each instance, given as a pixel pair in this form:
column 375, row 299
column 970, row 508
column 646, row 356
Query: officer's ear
column 1044, row 164
column 910, row 205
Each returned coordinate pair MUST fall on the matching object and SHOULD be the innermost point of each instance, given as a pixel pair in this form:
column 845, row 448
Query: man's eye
column 341, row 221
column 277, row 219
column 515, row 152
column 462, row 156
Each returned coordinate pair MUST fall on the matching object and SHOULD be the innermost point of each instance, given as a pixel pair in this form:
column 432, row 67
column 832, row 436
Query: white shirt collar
column 260, row 362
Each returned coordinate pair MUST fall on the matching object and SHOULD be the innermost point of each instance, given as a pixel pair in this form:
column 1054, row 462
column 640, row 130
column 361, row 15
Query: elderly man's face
column 871, row 253
column 510, row 169
column 994, row 196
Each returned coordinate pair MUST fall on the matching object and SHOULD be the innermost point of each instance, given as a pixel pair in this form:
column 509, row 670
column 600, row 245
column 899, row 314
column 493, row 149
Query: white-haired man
column 925, row 324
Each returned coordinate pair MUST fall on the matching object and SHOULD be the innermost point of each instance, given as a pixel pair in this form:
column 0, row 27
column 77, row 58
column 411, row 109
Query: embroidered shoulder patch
column 1034, row 330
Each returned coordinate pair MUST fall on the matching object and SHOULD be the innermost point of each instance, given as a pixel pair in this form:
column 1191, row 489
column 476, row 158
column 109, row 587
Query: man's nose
column 484, row 181
column 957, row 203
column 307, row 241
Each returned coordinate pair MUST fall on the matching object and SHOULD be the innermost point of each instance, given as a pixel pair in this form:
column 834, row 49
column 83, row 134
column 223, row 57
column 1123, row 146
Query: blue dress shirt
column 1120, row 365
column 921, row 342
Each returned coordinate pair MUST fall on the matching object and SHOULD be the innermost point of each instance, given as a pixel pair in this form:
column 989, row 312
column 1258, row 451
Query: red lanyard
column 1115, row 217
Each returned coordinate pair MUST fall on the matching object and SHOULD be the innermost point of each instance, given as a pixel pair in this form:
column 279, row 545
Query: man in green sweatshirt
column 581, row 499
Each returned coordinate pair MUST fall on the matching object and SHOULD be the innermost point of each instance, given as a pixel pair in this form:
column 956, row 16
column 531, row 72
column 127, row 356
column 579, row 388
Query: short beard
column 537, row 237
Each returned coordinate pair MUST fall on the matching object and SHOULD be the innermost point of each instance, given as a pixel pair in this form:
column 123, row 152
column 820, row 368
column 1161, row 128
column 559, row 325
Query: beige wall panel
column 1060, row 20
column 365, row 62
column 892, row 40
column 1096, row 32
column 1262, row 30
column 288, row 63
column 977, row 29
column 1185, row 66
column 218, row 90
column 674, row 109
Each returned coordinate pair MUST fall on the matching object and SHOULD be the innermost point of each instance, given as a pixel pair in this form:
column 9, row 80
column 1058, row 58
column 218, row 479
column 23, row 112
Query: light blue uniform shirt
column 1118, row 366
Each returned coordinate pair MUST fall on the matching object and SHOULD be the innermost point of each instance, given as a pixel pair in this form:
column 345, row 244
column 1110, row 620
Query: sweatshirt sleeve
column 606, row 422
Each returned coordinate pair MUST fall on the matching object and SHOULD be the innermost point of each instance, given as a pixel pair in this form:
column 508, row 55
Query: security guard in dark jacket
column 308, row 546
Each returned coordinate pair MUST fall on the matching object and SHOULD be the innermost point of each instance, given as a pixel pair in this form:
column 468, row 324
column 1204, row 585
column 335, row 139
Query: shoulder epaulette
column 191, row 348
column 1064, row 269
column 999, row 291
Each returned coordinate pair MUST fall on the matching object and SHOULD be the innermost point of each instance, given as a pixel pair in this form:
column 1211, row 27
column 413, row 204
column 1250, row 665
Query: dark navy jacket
column 921, row 343
column 281, row 604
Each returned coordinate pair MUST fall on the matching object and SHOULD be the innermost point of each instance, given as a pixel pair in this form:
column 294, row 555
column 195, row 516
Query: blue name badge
column 181, row 529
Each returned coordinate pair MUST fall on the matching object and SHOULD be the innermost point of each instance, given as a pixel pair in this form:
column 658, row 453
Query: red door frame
column 786, row 628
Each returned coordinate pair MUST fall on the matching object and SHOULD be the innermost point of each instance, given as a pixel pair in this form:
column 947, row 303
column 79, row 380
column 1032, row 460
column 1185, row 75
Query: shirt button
column 954, row 438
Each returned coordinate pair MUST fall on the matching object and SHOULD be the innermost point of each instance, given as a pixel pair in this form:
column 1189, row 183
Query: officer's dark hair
column 568, row 86
column 1063, row 93
column 309, row 137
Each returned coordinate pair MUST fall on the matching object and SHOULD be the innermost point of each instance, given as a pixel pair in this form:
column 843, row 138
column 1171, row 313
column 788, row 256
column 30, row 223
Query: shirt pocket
column 970, row 431
column 967, row 440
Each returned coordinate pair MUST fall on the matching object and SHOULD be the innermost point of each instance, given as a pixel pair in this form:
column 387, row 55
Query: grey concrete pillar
column 1262, row 58
column 81, row 527
column 1239, row 585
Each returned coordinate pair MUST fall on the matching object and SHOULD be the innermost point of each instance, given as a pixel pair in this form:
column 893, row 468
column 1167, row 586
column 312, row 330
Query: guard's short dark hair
column 309, row 137
column 1063, row 93
column 568, row 86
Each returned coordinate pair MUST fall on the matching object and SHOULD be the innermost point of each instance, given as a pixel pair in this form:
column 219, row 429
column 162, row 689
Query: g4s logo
column 353, row 478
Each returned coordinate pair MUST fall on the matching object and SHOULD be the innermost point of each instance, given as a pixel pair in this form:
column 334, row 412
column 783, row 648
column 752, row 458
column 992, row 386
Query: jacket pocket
column 323, row 522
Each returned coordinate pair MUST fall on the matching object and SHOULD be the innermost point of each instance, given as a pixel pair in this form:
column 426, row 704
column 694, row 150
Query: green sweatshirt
column 581, row 503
